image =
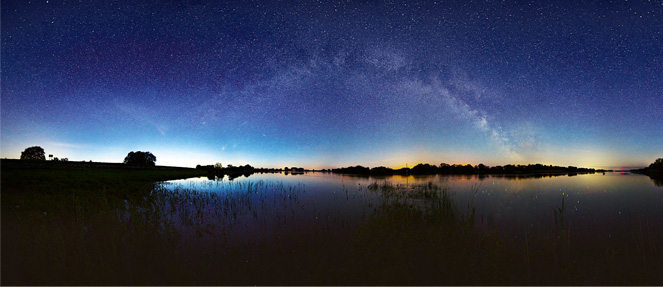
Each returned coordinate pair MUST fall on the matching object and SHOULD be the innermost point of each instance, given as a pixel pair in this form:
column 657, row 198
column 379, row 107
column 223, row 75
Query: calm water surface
column 596, row 206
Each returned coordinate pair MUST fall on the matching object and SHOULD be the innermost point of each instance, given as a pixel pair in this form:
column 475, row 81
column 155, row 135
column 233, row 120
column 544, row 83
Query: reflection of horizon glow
column 593, row 200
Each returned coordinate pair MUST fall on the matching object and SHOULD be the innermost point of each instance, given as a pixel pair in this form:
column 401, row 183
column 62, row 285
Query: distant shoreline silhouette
column 654, row 171
column 424, row 169
column 419, row 169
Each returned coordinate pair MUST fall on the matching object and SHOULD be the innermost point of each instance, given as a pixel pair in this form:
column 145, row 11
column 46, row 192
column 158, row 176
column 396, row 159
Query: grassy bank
column 55, row 179
column 58, row 222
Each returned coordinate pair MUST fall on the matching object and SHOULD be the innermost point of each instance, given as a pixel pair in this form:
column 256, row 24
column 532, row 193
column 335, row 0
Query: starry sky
column 323, row 84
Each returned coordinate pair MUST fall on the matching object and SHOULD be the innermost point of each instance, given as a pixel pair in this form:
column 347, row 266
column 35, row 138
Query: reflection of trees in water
column 231, row 176
column 657, row 179
column 530, row 176
column 480, row 176
column 293, row 172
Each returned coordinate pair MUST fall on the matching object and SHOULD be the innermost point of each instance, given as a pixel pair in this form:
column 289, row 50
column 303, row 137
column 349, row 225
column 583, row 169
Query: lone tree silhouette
column 33, row 153
column 142, row 158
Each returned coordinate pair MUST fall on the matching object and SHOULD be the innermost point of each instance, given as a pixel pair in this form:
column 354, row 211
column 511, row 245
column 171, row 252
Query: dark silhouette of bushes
column 424, row 168
column 205, row 167
column 381, row 170
column 353, row 170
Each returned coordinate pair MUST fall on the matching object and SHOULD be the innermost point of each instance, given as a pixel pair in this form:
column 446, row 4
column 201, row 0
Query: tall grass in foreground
column 265, row 233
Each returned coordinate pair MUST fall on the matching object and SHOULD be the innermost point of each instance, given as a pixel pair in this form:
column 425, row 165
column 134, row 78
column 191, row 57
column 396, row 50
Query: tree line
column 146, row 158
column 137, row 158
column 444, row 168
column 654, row 171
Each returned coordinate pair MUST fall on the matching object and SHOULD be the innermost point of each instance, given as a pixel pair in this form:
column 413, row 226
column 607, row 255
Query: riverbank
column 32, row 164
column 40, row 175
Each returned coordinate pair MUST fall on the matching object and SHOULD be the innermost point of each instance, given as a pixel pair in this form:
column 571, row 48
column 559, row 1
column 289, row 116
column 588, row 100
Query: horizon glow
column 325, row 85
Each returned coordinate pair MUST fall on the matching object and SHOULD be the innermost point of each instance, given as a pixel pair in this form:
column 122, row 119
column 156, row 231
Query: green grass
column 117, row 227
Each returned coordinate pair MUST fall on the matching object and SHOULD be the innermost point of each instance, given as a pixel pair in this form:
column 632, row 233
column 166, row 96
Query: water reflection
column 512, row 202
column 657, row 179
column 563, row 219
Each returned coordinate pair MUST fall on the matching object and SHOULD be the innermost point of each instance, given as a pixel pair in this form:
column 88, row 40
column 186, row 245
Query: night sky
column 323, row 84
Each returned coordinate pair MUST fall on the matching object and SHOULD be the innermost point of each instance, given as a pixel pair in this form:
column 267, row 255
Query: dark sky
column 335, row 83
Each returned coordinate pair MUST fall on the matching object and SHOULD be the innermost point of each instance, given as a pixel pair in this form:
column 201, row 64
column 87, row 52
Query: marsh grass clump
column 418, row 236
column 409, row 191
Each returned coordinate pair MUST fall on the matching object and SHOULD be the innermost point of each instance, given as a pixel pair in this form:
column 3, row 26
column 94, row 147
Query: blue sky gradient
column 323, row 84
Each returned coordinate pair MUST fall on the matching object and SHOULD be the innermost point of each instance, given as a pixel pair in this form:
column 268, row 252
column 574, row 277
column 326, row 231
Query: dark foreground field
column 75, row 226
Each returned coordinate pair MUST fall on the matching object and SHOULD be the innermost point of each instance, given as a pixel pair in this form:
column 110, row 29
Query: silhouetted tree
column 382, row 170
column 142, row 158
column 424, row 168
column 33, row 153
column 658, row 164
column 352, row 170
